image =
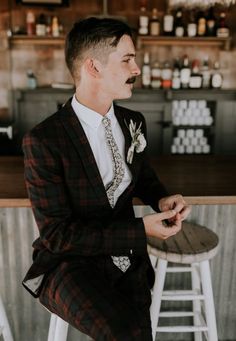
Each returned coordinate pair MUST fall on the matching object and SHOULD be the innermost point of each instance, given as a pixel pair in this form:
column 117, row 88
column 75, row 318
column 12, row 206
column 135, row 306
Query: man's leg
column 83, row 296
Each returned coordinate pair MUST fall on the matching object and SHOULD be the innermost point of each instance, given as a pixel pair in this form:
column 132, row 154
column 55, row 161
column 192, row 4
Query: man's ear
column 93, row 67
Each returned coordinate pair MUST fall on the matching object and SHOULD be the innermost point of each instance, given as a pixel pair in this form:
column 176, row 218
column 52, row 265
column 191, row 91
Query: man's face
column 118, row 74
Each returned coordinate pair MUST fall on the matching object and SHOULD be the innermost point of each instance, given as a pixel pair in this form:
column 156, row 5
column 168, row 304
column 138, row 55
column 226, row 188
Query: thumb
column 167, row 214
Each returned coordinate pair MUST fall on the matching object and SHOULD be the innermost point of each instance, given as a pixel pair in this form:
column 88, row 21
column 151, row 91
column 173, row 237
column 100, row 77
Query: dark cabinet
column 226, row 127
column 32, row 106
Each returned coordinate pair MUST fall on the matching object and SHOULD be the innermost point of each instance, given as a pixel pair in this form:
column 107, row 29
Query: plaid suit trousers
column 105, row 309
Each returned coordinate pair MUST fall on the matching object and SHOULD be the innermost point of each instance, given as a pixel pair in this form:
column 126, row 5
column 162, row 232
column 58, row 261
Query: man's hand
column 155, row 224
column 177, row 203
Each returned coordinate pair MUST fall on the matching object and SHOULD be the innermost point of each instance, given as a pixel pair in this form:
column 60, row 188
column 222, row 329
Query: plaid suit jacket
column 69, row 200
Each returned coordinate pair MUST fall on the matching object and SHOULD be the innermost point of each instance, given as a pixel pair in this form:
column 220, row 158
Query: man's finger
column 166, row 215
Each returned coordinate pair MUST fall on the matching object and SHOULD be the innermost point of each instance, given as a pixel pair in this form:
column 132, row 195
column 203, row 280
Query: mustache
column 131, row 80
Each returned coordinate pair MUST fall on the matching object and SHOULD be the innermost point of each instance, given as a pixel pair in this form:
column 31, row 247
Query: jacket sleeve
column 60, row 231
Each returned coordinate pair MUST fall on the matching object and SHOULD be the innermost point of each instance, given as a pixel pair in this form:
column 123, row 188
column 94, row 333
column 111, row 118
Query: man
column 83, row 166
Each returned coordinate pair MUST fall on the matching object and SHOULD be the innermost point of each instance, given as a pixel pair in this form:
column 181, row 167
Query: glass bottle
column 206, row 74
column 185, row 73
column 178, row 24
column 156, row 80
column 222, row 29
column 154, row 24
column 166, row 76
column 168, row 23
column 192, row 25
column 30, row 23
column 55, row 27
column 201, row 27
column 146, row 71
column 143, row 21
column 211, row 23
column 176, row 84
column 195, row 80
column 49, row 25
column 216, row 78
column 41, row 25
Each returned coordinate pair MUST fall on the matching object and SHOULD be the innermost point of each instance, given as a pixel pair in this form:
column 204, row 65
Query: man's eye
column 126, row 60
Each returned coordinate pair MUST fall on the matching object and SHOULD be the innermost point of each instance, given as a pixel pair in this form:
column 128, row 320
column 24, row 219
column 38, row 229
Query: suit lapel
column 80, row 141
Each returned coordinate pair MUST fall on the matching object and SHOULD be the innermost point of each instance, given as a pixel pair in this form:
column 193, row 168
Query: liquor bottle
column 222, row 29
column 176, row 84
column 49, row 25
column 206, row 74
column 195, row 80
column 166, row 76
column 156, row 80
column 143, row 21
column 41, row 25
column 185, row 73
column 168, row 23
column 146, row 71
column 30, row 23
column 216, row 78
column 154, row 24
column 201, row 26
column 55, row 27
column 211, row 22
column 178, row 24
column 192, row 25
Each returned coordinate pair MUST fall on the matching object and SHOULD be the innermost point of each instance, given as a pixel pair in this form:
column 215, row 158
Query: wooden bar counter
column 202, row 179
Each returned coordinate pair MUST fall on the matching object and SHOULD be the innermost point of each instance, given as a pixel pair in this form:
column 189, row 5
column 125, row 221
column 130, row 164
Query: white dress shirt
column 91, row 122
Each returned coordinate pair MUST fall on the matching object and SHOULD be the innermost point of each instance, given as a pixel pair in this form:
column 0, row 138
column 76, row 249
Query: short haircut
column 93, row 37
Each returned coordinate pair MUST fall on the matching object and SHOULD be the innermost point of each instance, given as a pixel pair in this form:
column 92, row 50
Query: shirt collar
column 90, row 117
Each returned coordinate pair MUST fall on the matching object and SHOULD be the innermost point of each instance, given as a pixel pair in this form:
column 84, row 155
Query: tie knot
column 106, row 121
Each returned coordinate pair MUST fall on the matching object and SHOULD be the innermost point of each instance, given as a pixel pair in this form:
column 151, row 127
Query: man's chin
column 125, row 94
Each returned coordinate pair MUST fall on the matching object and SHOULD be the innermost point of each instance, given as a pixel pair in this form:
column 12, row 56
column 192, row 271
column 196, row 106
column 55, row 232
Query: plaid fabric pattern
column 77, row 224
column 122, row 262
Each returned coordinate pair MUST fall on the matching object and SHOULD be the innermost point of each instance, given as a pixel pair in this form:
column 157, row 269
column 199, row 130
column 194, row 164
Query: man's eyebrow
column 130, row 55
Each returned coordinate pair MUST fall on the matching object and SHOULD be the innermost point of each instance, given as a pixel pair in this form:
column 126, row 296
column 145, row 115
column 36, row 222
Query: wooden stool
column 5, row 330
column 193, row 246
column 58, row 329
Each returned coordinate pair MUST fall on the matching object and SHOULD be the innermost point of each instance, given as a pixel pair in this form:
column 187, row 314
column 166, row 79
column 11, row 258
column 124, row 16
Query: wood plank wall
column 29, row 320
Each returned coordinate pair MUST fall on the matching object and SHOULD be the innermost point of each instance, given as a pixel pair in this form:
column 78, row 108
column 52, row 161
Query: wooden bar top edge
column 193, row 200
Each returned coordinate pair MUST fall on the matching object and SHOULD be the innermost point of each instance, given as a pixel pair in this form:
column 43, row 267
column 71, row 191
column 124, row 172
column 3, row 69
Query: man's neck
column 93, row 100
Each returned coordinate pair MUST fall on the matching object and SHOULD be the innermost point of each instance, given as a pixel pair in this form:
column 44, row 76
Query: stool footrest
column 176, row 314
column 181, row 295
column 174, row 269
column 181, row 329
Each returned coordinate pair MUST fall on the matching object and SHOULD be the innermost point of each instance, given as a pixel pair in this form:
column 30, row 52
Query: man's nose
column 136, row 70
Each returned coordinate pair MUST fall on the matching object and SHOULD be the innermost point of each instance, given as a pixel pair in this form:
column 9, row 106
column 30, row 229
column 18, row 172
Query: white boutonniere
column 138, row 140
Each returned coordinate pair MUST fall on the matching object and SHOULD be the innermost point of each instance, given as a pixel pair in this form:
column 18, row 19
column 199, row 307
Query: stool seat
column 192, row 248
column 194, row 243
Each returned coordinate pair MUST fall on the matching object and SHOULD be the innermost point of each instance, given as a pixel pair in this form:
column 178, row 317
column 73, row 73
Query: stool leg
column 153, row 260
column 52, row 327
column 6, row 331
column 61, row 330
column 209, row 300
column 196, row 286
column 160, row 274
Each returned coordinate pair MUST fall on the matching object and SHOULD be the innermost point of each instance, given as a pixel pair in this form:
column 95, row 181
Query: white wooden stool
column 5, row 330
column 58, row 329
column 193, row 246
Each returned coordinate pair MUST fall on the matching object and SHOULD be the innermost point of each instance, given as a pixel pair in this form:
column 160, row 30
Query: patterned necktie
column 122, row 262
